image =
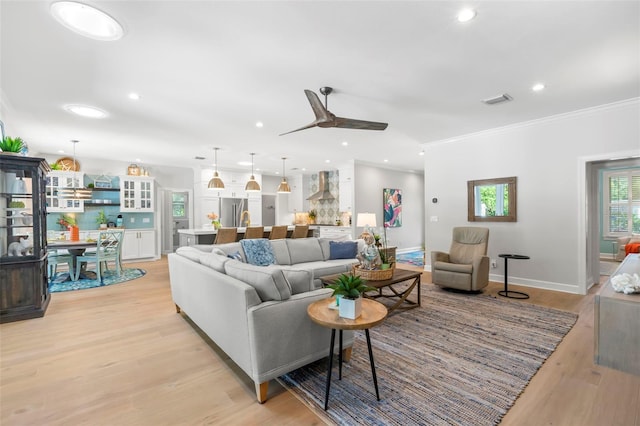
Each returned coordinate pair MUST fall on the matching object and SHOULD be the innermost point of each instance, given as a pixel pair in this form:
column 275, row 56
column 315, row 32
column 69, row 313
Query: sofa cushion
column 190, row 253
column 207, row 248
column 343, row 250
column 281, row 251
column 329, row 267
column 299, row 280
column 214, row 261
column 324, row 246
column 231, row 248
column 258, row 251
column 304, row 250
column 269, row 282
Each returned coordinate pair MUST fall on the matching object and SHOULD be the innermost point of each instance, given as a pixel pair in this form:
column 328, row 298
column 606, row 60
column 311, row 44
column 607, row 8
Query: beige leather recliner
column 466, row 266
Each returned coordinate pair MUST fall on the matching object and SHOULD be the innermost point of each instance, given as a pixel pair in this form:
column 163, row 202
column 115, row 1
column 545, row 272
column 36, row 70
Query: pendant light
column 283, row 188
column 216, row 182
column 252, row 185
column 75, row 192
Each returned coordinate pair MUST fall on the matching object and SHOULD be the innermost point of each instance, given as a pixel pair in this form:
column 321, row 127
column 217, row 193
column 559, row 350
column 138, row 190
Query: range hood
column 323, row 188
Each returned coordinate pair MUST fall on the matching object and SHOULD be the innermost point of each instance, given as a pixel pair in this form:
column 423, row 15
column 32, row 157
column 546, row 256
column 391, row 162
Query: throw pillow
column 214, row 261
column 236, row 256
column 343, row 249
column 258, row 251
column 269, row 282
column 299, row 280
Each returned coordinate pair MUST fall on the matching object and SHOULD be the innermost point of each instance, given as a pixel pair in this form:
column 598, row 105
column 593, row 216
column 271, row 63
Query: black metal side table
column 511, row 293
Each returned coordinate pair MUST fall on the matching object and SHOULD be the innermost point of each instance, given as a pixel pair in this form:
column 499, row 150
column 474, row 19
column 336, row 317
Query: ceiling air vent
column 197, row 157
column 497, row 99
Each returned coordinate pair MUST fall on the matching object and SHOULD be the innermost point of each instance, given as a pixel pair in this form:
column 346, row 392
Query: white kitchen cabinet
column 345, row 188
column 234, row 184
column 137, row 194
column 138, row 244
column 58, row 180
column 206, row 205
column 255, row 208
column 297, row 200
column 335, row 233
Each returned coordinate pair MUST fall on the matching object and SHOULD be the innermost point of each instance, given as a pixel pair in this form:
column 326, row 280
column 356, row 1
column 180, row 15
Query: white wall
column 369, row 182
column 548, row 157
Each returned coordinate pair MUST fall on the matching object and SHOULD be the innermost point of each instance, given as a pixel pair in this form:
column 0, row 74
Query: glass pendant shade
column 77, row 191
column 252, row 185
column 283, row 188
column 216, row 182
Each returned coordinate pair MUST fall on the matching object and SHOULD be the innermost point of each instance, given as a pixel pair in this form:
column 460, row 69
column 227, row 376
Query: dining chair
column 54, row 258
column 300, row 231
column 226, row 235
column 252, row 232
column 108, row 246
column 278, row 232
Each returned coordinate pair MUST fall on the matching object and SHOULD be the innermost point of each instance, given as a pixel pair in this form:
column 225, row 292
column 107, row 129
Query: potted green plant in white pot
column 348, row 290
column 11, row 146
column 102, row 219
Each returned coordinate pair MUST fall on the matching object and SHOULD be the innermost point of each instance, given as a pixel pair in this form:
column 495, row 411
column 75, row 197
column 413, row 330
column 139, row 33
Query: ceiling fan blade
column 308, row 126
column 350, row 123
column 318, row 109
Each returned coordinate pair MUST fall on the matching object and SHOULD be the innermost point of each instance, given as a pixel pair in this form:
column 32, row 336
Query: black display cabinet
column 24, row 290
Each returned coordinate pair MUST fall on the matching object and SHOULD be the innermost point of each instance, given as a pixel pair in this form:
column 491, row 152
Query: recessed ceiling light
column 327, row 161
column 345, row 143
column 259, row 124
column 244, row 163
column 385, row 160
column 86, row 111
column 537, row 87
column 421, row 152
column 466, row 15
column 87, row 20
column 138, row 160
column 134, row 96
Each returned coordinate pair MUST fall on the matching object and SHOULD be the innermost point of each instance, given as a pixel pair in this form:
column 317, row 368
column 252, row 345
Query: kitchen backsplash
column 328, row 211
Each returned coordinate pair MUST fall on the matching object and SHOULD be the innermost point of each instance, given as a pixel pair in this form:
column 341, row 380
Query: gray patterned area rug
column 459, row 359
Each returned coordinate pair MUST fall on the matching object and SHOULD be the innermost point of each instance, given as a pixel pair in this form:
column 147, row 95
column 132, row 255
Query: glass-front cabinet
column 136, row 194
column 24, row 291
column 58, row 180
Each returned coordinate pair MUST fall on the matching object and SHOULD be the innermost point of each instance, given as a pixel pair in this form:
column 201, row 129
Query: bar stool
column 226, row 235
column 252, row 232
column 278, row 232
column 300, row 231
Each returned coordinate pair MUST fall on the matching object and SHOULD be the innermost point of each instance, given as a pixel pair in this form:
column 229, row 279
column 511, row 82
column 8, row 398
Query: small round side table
column 511, row 293
column 373, row 313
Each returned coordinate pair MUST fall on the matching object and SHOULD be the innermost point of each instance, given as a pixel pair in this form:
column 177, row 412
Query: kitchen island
column 190, row 237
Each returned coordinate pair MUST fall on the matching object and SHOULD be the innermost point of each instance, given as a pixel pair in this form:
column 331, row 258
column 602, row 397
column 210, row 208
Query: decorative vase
column 350, row 308
column 74, row 233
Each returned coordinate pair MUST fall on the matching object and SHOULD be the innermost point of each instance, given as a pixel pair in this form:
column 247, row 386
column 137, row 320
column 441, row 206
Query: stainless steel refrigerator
column 230, row 211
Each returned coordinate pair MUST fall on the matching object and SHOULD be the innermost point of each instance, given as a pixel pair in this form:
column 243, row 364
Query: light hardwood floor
column 120, row 355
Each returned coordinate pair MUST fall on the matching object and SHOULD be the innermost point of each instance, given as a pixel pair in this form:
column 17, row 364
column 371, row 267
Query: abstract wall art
column 392, row 204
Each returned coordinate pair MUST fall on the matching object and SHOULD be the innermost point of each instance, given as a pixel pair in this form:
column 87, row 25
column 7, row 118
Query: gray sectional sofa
column 258, row 314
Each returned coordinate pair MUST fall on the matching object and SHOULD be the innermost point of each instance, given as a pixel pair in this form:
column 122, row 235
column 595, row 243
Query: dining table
column 75, row 248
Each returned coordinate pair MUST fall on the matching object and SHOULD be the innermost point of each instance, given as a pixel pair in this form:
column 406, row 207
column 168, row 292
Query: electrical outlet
column 494, row 263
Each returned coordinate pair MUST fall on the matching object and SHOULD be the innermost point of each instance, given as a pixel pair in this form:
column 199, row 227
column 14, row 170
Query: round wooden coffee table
column 373, row 313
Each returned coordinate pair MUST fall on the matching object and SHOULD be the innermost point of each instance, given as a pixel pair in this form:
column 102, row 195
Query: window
column 179, row 205
column 621, row 207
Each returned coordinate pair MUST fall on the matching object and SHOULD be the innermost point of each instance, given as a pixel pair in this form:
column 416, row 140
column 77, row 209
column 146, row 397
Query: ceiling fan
column 324, row 117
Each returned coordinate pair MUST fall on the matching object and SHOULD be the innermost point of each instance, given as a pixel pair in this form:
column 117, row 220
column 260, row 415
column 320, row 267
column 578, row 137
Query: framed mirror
column 492, row 200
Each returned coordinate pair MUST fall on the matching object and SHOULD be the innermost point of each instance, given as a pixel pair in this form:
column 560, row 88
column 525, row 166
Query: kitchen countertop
column 210, row 231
